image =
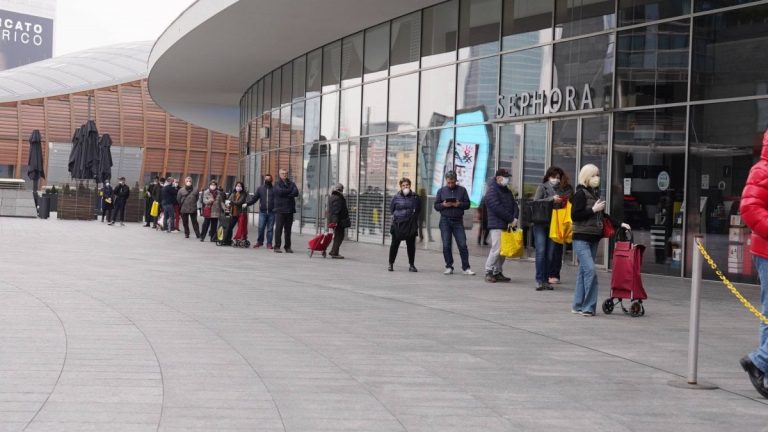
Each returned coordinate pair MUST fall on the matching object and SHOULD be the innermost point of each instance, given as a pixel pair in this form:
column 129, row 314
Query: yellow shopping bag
column 155, row 210
column 511, row 243
column 561, row 226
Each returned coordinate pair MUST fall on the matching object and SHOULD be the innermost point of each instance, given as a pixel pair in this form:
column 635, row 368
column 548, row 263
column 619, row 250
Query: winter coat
column 588, row 225
column 187, row 199
column 168, row 195
column 122, row 192
column 501, row 206
column 404, row 207
column 546, row 192
column 265, row 195
column 285, row 196
column 107, row 193
column 754, row 202
column 338, row 212
column 154, row 191
column 458, row 193
column 236, row 201
column 215, row 202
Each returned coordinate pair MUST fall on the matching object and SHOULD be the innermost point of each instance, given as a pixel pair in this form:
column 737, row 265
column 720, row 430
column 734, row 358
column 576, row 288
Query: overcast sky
column 83, row 24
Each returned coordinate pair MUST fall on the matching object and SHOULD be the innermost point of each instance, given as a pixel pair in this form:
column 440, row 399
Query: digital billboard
column 24, row 39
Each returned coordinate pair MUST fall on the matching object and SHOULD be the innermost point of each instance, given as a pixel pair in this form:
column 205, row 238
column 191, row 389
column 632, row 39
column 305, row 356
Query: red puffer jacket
column 754, row 202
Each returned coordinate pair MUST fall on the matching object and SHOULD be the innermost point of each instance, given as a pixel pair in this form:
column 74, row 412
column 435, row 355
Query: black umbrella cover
column 74, row 154
column 35, row 169
column 90, row 153
column 105, row 158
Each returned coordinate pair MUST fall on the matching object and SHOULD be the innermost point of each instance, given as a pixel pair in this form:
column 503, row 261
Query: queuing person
column 176, row 207
column 503, row 213
column 212, row 208
column 121, row 192
column 285, row 206
column 482, row 215
column 168, row 202
column 148, row 194
column 553, row 193
column 186, row 198
column 404, row 208
column 265, row 196
column 156, row 192
column 106, row 202
column 588, row 214
column 236, row 205
column 338, row 218
column 451, row 201
column 754, row 211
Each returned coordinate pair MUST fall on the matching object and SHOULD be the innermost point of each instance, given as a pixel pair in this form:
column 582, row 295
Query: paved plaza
column 128, row 329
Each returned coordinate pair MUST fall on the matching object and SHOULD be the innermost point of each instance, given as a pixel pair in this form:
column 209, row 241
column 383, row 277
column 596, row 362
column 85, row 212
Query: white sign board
column 662, row 181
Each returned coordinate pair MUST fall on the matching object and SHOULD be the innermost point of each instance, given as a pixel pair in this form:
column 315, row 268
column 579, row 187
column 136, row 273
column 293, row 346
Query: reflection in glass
column 439, row 32
column 317, row 165
column 706, row 5
column 297, row 124
column 373, row 157
column 535, row 147
column 477, row 81
column 526, row 71
column 275, row 130
column 586, row 61
column 405, row 44
column 526, row 23
column 579, row 17
column 403, row 102
column 276, row 89
column 268, row 92
column 350, row 112
column 401, row 162
column 479, row 27
column 299, row 77
column 652, row 65
column 285, row 127
column 352, row 60
column 331, row 66
column 564, row 146
column 719, row 69
column 329, row 120
column 287, row 83
column 314, row 72
column 639, row 11
column 312, row 120
column 376, row 52
column 594, row 143
column 438, row 92
column 510, row 140
column 375, row 108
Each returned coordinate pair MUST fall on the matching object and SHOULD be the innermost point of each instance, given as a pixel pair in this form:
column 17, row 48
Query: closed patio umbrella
column 74, row 154
column 35, row 169
column 105, row 158
column 90, row 154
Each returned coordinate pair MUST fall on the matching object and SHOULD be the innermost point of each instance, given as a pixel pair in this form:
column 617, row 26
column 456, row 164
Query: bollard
column 693, row 328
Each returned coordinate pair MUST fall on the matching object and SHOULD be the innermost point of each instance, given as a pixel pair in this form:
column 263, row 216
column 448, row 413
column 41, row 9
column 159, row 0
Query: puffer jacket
column 187, row 199
column 501, row 206
column 403, row 207
column 754, row 202
column 215, row 203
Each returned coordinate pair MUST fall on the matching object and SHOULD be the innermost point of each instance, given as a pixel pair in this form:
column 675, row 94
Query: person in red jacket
column 754, row 212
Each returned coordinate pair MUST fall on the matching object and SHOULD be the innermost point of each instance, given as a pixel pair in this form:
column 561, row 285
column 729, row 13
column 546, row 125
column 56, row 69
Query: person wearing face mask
column 285, row 206
column 552, row 193
column 588, row 214
column 148, row 200
column 265, row 196
column 155, row 195
column 212, row 208
column 176, row 207
column 237, row 204
column 168, row 202
column 503, row 213
column 106, row 202
column 122, row 192
column 187, row 201
column 404, row 208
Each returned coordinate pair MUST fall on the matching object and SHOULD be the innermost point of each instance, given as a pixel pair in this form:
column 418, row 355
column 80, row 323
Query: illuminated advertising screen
column 24, row 39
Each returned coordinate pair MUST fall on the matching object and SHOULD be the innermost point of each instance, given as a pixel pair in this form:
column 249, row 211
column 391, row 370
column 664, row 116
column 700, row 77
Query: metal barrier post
column 693, row 328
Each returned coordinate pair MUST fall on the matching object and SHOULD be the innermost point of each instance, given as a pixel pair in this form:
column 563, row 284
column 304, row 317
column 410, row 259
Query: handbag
column 155, row 210
column 406, row 228
column 608, row 230
column 207, row 212
column 561, row 227
column 541, row 212
column 511, row 245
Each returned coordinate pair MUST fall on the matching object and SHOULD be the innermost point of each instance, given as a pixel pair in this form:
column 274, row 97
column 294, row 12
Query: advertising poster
column 465, row 158
column 24, row 39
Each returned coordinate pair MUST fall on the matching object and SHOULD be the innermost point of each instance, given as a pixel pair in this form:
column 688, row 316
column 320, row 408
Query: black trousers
column 185, row 217
column 283, row 223
column 148, row 219
column 338, row 237
column 213, row 223
column 232, row 224
column 106, row 211
column 119, row 210
column 410, row 244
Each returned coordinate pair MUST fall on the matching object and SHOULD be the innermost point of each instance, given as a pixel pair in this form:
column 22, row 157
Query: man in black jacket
column 168, row 200
column 121, row 193
column 266, row 198
column 338, row 218
column 285, row 206
column 148, row 200
column 451, row 201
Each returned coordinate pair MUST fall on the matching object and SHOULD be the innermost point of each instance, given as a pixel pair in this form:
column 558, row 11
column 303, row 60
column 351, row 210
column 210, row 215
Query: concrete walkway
column 127, row 329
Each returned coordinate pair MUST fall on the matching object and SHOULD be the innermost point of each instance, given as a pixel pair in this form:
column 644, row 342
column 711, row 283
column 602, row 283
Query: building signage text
column 544, row 101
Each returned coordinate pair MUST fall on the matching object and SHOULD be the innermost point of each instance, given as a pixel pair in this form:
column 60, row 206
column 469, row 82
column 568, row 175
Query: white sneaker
column 448, row 271
column 468, row 272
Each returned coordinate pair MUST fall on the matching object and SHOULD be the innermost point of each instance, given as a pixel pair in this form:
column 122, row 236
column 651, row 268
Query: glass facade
column 668, row 98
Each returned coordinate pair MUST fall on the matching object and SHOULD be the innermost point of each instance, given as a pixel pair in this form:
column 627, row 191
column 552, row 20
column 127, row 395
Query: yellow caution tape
column 730, row 286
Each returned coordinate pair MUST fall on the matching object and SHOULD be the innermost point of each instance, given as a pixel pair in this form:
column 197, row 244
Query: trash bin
column 44, row 209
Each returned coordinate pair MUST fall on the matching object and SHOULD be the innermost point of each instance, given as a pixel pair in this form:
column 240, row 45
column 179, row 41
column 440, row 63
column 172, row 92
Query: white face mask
column 554, row 181
column 213, row 188
column 406, row 191
column 189, row 183
column 594, row 182
column 239, row 189
column 175, row 185
column 504, row 181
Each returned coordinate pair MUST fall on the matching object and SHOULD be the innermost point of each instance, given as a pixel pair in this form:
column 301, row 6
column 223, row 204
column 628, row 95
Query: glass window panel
column 652, row 65
column 578, row 17
column 276, row 89
column 287, row 83
column 352, row 60
column 723, row 145
column 706, row 5
column 405, row 44
column 586, row 61
column 299, row 77
column 640, row 11
column 373, row 157
column 474, row 158
column 266, row 122
column 331, row 66
column 439, row 31
column 401, row 163
column 403, row 102
column 438, row 93
column 329, row 120
column 724, row 60
column 479, row 27
column 477, row 83
column 260, row 102
column 350, row 112
column 314, row 72
column 594, row 143
column 526, row 71
column 535, row 146
column 268, row 92
column 510, row 152
column 285, row 127
column 274, row 130
column 375, row 108
column 316, row 174
column 435, row 158
column 564, row 146
column 376, row 52
column 649, row 145
column 312, row 120
column 527, row 23
column 297, row 124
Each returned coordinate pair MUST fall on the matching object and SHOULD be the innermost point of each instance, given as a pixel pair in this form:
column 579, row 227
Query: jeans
column 232, row 225
column 169, row 216
column 585, row 297
column 449, row 229
column 495, row 261
column 266, row 223
column 555, row 259
column 760, row 355
column 119, row 210
column 283, row 222
column 549, row 255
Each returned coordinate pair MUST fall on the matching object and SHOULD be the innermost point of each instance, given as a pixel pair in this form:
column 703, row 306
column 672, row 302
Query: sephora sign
column 544, row 102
